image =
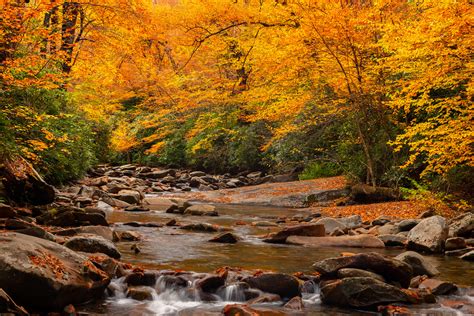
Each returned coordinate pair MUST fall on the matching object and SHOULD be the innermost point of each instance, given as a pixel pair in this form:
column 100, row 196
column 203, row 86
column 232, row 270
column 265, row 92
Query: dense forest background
column 380, row 91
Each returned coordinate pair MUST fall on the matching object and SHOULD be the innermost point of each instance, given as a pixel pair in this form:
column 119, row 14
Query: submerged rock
column 47, row 276
column 361, row 292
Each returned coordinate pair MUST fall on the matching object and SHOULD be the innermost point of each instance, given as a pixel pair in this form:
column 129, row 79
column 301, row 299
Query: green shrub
column 320, row 169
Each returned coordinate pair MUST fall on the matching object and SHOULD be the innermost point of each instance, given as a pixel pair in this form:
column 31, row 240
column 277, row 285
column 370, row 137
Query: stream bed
column 171, row 248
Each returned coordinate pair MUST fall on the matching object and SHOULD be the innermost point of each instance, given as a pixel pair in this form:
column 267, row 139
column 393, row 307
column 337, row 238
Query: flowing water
column 170, row 248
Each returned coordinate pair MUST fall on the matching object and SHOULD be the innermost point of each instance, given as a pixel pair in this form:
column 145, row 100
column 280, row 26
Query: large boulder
column 93, row 244
column 357, row 241
column 429, row 235
column 313, row 230
column 41, row 274
column 391, row 269
column 361, row 292
column 419, row 264
column 23, row 184
column 284, row 285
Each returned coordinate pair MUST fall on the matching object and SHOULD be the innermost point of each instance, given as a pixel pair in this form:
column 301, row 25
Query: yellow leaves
column 123, row 139
column 155, row 148
column 37, row 145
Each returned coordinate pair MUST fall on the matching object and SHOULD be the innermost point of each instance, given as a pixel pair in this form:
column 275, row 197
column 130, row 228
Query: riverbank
column 133, row 248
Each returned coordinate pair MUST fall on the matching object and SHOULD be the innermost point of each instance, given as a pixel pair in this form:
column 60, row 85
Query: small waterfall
column 233, row 293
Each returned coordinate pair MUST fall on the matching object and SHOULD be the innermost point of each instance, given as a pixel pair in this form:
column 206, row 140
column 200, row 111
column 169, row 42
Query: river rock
column 73, row 218
column 354, row 273
column 429, row 235
column 407, row 224
column 454, row 243
column 37, row 231
column 419, row 264
column 313, row 230
column 128, row 235
column 103, row 231
column 351, row 222
column 202, row 227
column 210, row 284
column 469, row 256
column 140, row 293
column 201, row 210
column 225, row 238
column 136, row 208
column 391, row 269
column 358, row 241
column 141, row 278
column 129, row 196
column 295, row 304
column 361, row 292
column 388, row 229
column 93, row 244
column 331, row 224
column 8, row 306
column 47, row 276
column 458, row 252
column 284, row 285
column 245, row 310
column 381, row 220
column 393, row 240
column 438, row 287
column 463, row 227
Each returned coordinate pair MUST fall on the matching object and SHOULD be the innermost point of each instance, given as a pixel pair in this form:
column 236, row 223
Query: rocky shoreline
column 58, row 256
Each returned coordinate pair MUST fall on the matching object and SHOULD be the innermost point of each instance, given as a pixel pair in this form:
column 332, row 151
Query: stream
column 171, row 248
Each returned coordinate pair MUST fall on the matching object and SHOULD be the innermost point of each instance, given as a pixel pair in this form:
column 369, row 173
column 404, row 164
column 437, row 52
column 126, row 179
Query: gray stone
column 429, row 235
column 284, row 285
column 361, row 292
column 463, row 227
column 393, row 240
column 455, row 243
column 391, row 269
column 93, row 244
column 331, row 224
column 354, row 273
column 419, row 263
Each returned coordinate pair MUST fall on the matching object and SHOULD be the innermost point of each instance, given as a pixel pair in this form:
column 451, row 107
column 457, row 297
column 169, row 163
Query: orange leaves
column 50, row 262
